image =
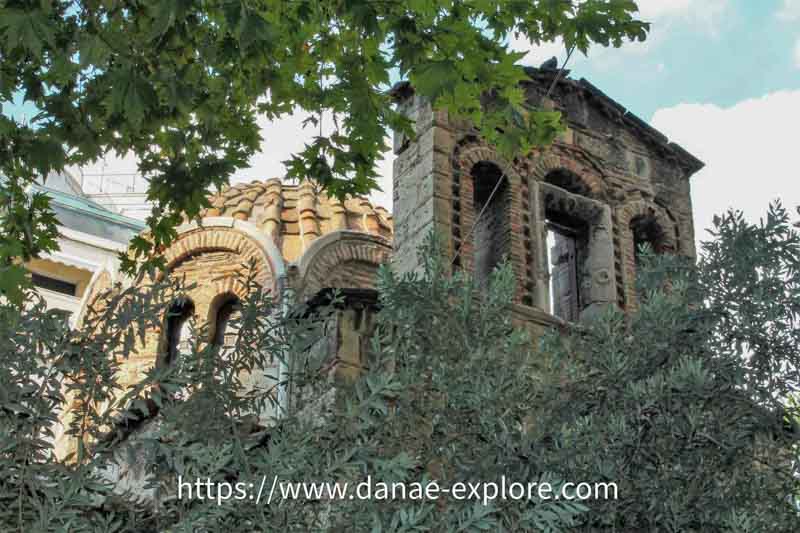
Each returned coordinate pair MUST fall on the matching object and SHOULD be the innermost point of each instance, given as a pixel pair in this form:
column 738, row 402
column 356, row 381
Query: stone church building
column 569, row 219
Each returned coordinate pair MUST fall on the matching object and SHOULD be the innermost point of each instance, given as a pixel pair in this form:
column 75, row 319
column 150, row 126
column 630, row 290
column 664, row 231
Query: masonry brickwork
column 608, row 172
column 289, row 240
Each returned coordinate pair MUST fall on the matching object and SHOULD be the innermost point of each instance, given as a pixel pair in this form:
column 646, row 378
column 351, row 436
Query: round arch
column 333, row 250
column 223, row 233
column 574, row 165
column 101, row 282
column 217, row 304
column 643, row 208
column 472, row 152
column 667, row 231
column 468, row 198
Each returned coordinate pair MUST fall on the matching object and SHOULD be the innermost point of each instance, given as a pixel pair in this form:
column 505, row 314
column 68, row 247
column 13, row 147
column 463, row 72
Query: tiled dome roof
column 295, row 215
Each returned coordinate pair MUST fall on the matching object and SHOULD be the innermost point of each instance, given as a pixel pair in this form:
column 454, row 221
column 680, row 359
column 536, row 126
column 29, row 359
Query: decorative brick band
column 668, row 233
column 363, row 252
column 470, row 152
column 528, row 245
column 215, row 239
column 590, row 179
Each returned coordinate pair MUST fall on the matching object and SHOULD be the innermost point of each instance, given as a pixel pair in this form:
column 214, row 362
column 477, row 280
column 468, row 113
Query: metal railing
column 113, row 183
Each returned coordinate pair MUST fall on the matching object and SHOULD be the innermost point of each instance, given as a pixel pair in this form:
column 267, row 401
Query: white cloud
column 664, row 16
column 789, row 10
column 749, row 150
column 287, row 136
column 655, row 10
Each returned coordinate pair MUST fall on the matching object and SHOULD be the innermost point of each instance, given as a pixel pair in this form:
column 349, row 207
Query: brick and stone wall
column 608, row 172
column 214, row 259
column 607, row 169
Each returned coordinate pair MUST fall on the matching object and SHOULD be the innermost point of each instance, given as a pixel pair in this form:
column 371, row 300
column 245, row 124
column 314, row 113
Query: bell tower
column 568, row 217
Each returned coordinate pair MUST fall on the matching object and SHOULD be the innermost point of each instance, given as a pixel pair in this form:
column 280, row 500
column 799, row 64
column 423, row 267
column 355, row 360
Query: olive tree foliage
column 180, row 84
column 684, row 403
column 446, row 385
column 687, row 403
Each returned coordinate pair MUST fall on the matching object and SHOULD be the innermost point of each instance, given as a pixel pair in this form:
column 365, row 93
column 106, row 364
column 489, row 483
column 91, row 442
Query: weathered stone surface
column 290, row 239
column 607, row 155
column 606, row 175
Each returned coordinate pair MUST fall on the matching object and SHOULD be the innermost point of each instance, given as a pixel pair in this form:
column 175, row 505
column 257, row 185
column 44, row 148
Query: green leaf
column 28, row 29
column 13, row 280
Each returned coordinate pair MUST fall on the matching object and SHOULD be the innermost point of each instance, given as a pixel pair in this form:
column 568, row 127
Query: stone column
column 421, row 177
column 600, row 267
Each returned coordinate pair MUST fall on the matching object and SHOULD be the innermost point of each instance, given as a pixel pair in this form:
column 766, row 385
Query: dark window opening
column 178, row 330
column 492, row 233
column 568, row 181
column 567, row 246
column 55, row 285
column 646, row 230
column 226, row 325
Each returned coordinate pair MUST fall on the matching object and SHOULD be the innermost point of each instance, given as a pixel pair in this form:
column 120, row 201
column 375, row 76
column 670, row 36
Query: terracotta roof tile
column 299, row 207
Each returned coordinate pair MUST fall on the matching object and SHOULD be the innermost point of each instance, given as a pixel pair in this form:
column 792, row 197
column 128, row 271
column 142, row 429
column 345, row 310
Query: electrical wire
column 503, row 174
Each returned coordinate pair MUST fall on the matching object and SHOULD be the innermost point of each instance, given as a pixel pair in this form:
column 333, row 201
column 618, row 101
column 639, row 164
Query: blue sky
column 720, row 77
column 712, row 51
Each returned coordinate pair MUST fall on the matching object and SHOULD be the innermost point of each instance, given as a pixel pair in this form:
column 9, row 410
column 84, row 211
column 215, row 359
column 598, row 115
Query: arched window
column 565, row 180
column 492, row 232
column 567, row 216
column 226, row 324
column 645, row 230
column 225, row 316
column 178, row 331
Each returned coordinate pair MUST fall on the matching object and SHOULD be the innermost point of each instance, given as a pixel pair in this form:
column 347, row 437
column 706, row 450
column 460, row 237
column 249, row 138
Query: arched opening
column 568, row 181
column 178, row 330
column 243, row 370
column 646, row 231
column 492, row 233
column 567, row 241
column 225, row 320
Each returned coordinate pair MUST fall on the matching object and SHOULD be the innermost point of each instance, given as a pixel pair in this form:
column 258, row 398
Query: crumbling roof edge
column 689, row 162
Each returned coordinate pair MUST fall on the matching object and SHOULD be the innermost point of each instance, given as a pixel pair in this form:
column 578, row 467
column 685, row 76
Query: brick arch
column 217, row 261
column 214, row 308
column 163, row 341
column 469, row 152
column 215, row 284
column 577, row 163
column 636, row 208
column 626, row 261
column 99, row 285
column 213, row 239
column 213, row 255
column 360, row 253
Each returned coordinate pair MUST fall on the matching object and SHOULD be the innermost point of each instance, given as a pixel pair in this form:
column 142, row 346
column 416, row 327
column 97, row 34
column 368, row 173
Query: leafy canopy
column 180, row 83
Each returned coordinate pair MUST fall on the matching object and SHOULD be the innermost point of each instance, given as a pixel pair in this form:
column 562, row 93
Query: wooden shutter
column 564, row 274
